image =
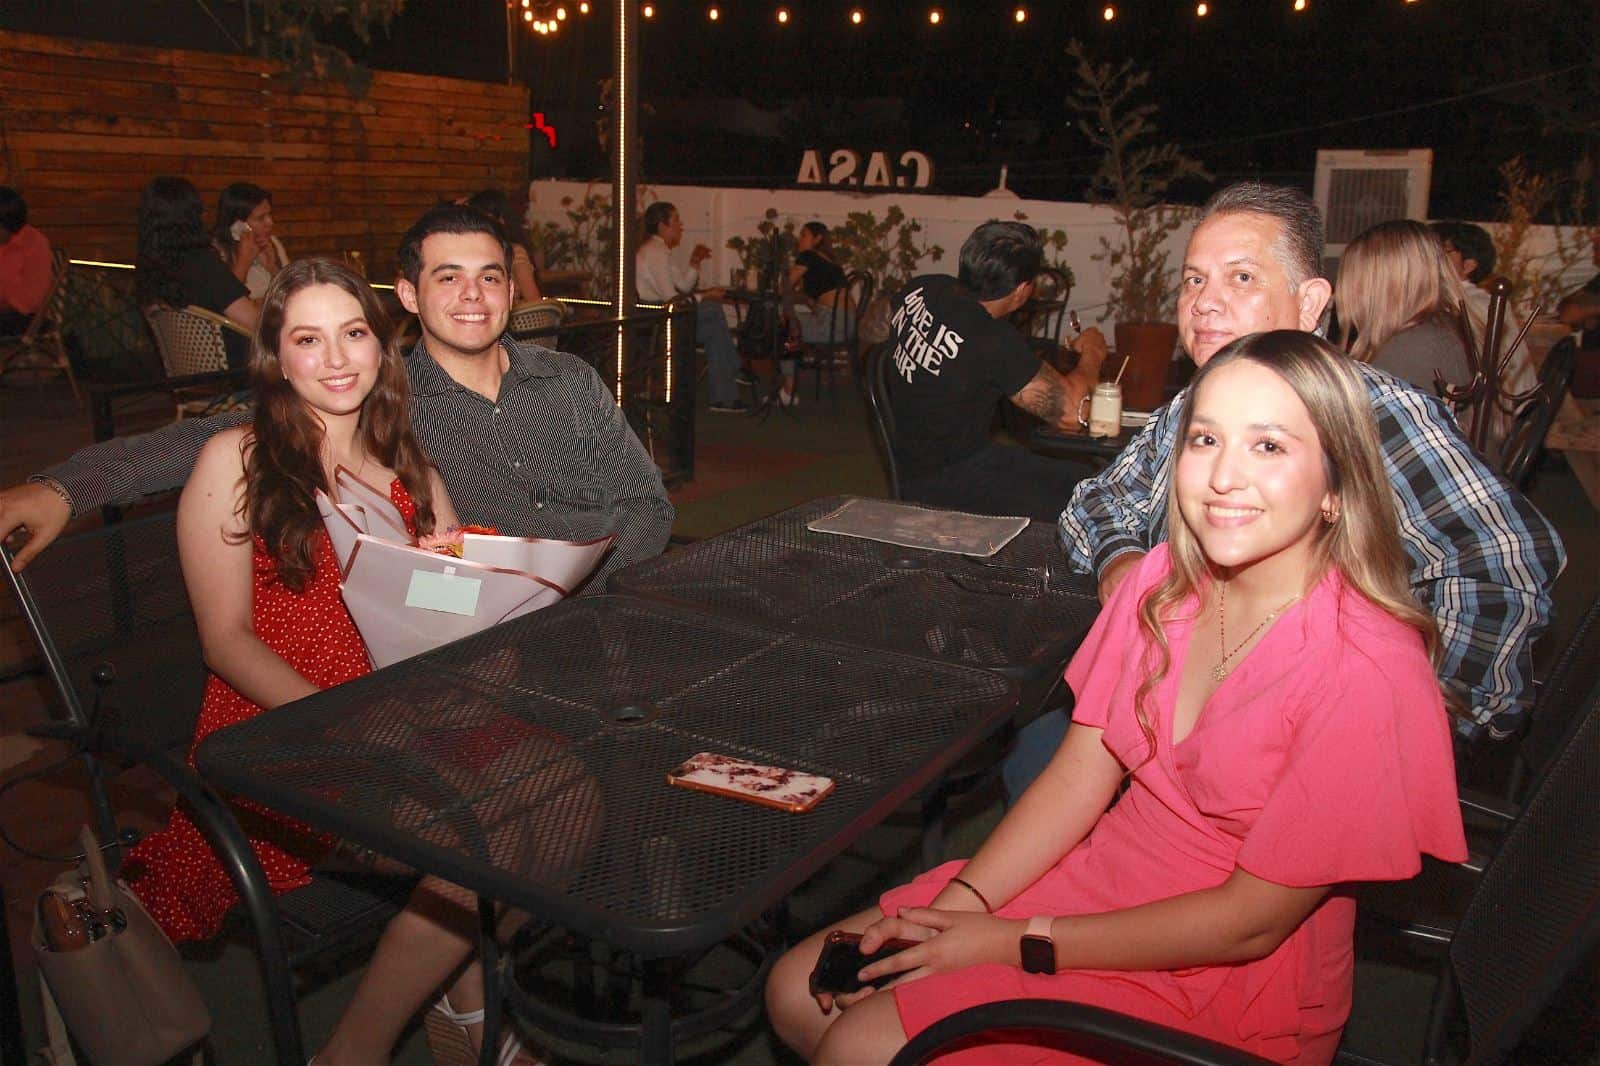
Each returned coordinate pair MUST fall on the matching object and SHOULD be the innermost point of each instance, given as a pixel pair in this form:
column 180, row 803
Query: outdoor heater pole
column 625, row 164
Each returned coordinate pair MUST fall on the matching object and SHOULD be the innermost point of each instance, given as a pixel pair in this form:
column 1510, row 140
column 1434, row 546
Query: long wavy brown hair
column 1363, row 543
column 283, row 451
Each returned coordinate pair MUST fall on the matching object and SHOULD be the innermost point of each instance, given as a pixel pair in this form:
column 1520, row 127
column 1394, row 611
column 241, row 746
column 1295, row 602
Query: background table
column 1060, row 444
column 1021, row 613
column 529, row 763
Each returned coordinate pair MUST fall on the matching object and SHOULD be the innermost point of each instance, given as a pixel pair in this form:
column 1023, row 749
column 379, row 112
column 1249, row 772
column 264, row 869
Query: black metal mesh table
column 1020, row 613
column 528, row 763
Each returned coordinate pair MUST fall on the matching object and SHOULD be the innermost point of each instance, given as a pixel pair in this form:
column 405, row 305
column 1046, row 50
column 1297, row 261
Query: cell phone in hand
column 239, row 228
column 841, row 961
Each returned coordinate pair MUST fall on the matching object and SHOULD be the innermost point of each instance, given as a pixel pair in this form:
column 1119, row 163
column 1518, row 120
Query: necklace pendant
column 1219, row 672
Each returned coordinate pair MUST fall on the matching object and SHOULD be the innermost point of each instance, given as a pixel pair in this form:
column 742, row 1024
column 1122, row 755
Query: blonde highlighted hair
column 1363, row 543
column 1392, row 277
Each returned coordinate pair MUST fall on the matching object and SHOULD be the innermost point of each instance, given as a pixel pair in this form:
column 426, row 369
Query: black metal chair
column 1042, row 317
column 876, row 382
column 843, row 337
column 1531, row 421
column 1533, row 917
column 110, row 616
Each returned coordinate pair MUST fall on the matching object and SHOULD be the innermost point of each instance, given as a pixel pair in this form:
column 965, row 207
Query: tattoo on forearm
column 1045, row 396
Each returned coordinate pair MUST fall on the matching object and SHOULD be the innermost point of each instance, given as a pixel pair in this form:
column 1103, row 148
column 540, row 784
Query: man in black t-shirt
column 956, row 357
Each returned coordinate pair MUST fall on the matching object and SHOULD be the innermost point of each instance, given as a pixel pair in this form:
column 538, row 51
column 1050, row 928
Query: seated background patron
column 25, row 270
column 244, row 222
column 1400, row 296
column 176, row 262
column 956, row 358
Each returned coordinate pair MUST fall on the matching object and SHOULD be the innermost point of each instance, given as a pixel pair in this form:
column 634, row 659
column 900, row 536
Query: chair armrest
column 1098, row 1025
column 222, row 320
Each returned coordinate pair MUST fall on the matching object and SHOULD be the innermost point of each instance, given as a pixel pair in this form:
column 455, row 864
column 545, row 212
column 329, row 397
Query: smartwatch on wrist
column 1038, row 947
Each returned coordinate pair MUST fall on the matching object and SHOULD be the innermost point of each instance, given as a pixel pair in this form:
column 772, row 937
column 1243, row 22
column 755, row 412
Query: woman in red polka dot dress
column 331, row 390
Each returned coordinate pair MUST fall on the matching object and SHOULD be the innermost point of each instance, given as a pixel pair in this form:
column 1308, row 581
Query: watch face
column 1038, row 954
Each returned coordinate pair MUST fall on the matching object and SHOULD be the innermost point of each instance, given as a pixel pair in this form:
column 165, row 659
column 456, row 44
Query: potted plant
column 889, row 252
column 1135, row 173
column 764, row 257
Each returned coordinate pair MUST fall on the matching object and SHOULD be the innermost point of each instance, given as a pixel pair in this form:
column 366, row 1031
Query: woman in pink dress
column 1263, row 684
column 331, row 390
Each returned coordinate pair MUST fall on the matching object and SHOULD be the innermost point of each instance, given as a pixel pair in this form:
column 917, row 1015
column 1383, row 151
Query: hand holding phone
column 840, row 962
column 239, row 228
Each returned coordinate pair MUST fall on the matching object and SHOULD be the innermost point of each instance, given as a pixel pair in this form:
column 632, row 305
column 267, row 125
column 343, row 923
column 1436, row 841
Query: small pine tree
column 1133, row 177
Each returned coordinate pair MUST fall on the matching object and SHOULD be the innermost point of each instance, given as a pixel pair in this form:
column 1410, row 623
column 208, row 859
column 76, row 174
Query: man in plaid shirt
column 1483, row 559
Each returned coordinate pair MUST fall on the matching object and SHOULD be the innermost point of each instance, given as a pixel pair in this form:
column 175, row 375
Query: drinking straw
column 1118, row 381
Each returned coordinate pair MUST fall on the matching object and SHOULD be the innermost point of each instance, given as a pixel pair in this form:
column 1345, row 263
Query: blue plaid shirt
column 1483, row 559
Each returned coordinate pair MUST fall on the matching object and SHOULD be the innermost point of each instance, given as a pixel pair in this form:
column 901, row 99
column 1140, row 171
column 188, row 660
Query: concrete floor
column 747, row 470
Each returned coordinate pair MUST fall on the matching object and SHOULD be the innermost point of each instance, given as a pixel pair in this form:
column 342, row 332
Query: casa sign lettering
column 913, row 170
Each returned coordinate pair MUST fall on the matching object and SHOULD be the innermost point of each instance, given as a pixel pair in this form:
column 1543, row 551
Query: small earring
column 1329, row 515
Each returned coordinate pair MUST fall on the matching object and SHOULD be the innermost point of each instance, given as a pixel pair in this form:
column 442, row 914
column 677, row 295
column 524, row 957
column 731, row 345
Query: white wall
column 712, row 215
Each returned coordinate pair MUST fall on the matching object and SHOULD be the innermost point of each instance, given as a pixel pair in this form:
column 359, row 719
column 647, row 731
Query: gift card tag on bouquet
column 406, row 600
column 447, row 591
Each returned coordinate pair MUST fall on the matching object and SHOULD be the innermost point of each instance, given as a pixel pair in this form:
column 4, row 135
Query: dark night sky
column 980, row 90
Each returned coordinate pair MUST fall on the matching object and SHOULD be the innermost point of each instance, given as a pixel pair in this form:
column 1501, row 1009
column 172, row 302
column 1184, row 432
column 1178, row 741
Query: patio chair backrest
column 47, row 320
column 537, row 315
column 1535, row 914
column 1575, row 673
column 847, row 308
column 110, row 615
column 1531, row 421
column 877, row 381
column 1050, row 286
column 189, row 339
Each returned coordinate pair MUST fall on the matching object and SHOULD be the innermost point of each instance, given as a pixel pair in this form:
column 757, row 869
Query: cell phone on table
column 840, row 963
column 770, row 786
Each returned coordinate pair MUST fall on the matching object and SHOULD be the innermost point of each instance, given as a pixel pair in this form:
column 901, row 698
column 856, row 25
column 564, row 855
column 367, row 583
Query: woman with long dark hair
column 243, row 232
column 1262, row 684
column 331, row 391
column 176, row 262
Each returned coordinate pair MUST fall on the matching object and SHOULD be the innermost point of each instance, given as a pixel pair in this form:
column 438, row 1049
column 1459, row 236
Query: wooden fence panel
column 84, row 124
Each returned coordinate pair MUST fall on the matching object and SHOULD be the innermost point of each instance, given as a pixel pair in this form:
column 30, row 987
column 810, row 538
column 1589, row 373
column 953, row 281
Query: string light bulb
column 713, row 12
column 561, row 14
column 1202, row 9
column 1020, row 15
column 783, row 16
column 583, row 7
column 856, row 16
column 935, row 17
column 649, row 11
column 1299, row 5
column 527, row 16
column 1109, row 13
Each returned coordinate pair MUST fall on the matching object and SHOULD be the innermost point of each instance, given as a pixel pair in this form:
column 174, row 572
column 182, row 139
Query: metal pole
column 625, row 164
column 511, row 44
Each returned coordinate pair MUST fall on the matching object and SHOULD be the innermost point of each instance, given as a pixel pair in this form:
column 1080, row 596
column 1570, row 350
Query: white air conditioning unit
column 1357, row 189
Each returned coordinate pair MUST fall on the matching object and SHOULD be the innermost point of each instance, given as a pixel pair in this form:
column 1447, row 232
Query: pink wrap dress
column 1323, row 759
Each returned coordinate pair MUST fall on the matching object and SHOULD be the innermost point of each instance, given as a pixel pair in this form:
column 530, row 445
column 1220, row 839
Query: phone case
column 770, row 786
column 239, row 228
column 840, row 960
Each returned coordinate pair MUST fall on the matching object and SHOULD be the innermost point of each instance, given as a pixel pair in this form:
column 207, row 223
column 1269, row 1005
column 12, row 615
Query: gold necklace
column 1220, row 671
